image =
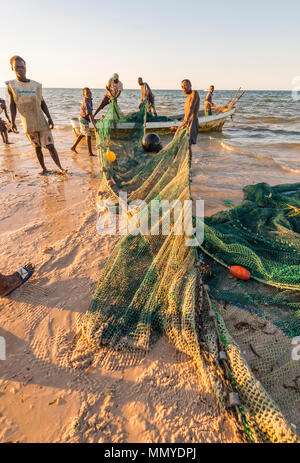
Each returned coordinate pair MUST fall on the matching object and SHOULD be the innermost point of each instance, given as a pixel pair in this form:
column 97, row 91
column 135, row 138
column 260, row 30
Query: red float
column 240, row 272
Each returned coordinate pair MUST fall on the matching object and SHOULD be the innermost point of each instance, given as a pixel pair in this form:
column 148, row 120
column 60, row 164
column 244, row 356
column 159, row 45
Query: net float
column 240, row 272
column 110, row 156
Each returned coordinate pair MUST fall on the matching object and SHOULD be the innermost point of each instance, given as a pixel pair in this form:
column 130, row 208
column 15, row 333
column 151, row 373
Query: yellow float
column 110, row 155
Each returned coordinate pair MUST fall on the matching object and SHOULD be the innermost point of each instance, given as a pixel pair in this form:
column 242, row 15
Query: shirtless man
column 208, row 104
column 191, row 110
column 25, row 95
column 113, row 89
column 146, row 93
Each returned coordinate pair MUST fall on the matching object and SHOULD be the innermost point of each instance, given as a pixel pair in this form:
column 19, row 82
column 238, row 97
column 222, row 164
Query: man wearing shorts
column 25, row 95
column 85, row 117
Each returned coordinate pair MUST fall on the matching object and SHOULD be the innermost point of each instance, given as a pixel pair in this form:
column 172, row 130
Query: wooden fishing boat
column 214, row 122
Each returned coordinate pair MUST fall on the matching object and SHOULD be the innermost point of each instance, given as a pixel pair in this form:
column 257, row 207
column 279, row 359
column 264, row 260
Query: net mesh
column 152, row 283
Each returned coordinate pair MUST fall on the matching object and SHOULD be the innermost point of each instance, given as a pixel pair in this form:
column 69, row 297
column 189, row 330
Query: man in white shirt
column 25, row 95
column 113, row 89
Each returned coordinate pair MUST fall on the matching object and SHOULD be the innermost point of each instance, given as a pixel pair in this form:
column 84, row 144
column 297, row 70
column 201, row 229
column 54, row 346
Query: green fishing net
column 262, row 235
column 260, row 316
column 152, row 284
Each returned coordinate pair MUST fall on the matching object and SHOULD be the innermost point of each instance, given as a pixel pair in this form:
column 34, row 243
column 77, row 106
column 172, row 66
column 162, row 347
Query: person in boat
column 113, row 89
column 25, row 95
column 3, row 128
column 191, row 110
column 8, row 283
column 146, row 94
column 208, row 103
column 85, row 117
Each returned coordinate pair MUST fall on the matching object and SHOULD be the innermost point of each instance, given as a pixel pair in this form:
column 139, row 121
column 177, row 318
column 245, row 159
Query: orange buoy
column 110, row 155
column 240, row 272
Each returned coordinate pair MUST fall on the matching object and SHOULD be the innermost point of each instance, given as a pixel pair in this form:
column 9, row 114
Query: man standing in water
column 208, row 104
column 25, row 95
column 191, row 110
column 113, row 89
column 146, row 94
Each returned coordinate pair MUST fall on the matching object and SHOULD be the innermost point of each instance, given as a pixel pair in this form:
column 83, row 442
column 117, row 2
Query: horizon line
column 178, row 89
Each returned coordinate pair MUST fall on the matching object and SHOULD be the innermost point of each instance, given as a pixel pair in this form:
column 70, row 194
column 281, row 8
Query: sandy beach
column 53, row 388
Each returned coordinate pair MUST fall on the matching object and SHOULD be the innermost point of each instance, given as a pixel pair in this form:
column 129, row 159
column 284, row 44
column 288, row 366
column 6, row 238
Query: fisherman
column 113, row 89
column 26, row 96
column 3, row 128
column 8, row 283
column 191, row 110
column 146, row 93
column 85, row 117
column 208, row 104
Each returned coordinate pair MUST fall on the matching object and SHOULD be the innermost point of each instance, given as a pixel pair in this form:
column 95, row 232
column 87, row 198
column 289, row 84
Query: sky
column 71, row 43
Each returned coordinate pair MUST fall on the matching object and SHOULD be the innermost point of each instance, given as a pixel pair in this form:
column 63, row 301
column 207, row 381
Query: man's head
column 2, row 103
column 211, row 88
column 115, row 77
column 87, row 92
column 18, row 65
column 140, row 81
column 186, row 86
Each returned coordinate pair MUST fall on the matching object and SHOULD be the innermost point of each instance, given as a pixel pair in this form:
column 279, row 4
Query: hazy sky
column 72, row 43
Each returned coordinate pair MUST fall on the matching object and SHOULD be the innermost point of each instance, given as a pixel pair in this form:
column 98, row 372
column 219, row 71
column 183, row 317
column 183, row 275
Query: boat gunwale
column 164, row 125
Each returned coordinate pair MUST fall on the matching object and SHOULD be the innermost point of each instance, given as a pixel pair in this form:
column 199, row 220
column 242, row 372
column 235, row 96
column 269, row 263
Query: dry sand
column 49, row 391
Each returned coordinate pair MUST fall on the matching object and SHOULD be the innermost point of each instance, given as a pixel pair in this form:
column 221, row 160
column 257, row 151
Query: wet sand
column 51, row 391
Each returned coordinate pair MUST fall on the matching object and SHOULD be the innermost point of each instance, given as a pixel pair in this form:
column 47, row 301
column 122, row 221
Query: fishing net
column 148, row 284
column 152, row 283
column 260, row 317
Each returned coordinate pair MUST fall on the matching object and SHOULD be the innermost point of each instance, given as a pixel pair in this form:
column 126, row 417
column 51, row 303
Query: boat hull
column 124, row 129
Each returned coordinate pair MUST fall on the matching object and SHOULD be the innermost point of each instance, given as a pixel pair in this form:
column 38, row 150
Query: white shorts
column 40, row 139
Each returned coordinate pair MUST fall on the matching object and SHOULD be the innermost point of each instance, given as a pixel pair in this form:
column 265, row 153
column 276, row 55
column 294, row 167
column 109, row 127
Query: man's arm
column 5, row 112
column 119, row 91
column 90, row 114
column 13, row 111
column 109, row 91
column 46, row 111
column 92, row 119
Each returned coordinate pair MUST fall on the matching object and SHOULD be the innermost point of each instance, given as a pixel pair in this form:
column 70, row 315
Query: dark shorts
column 193, row 130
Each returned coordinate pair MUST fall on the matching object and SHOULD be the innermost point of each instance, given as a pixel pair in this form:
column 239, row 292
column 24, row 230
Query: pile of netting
column 261, row 315
column 152, row 284
column 148, row 284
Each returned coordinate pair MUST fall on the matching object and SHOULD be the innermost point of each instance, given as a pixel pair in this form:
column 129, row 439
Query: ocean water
column 260, row 143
